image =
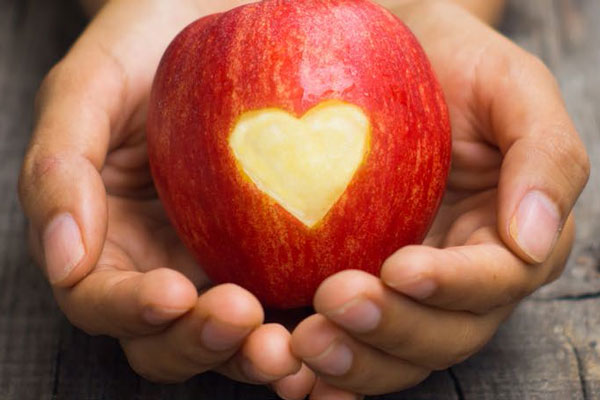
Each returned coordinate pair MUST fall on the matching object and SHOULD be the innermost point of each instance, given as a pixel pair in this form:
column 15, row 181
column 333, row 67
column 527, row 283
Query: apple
column 292, row 139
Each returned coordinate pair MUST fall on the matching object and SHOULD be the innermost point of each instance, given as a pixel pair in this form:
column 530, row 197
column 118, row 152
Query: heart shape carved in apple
column 305, row 164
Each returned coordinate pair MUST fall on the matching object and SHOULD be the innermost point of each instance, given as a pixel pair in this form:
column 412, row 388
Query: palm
column 140, row 237
column 470, row 200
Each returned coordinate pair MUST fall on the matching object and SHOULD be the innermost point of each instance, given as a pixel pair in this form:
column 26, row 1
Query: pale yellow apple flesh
column 304, row 164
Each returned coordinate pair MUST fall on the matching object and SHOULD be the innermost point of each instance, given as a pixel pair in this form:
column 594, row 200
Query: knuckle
column 569, row 149
column 416, row 378
column 585, row 163
column 396, row 343
column 555, row 273
column 581, row 161
column 43, row 166
column 143, row 367
column 470, row 342
column 35, row 170
column 563, row 146
column 532, row 68
column 519, row 291
column 568, row 156
column 76, row 317
column 197, row 357
column 377, row 381
column 521, row 285
column 516, row 67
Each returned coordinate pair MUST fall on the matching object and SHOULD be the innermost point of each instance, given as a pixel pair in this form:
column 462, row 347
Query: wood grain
column 547, row 350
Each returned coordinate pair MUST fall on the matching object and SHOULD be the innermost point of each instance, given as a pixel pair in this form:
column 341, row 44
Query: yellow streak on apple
column 304, row 164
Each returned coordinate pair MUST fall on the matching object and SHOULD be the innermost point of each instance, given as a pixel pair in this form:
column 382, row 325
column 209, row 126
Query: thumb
column 60, row 187
column 545, row 165
column 93, row 91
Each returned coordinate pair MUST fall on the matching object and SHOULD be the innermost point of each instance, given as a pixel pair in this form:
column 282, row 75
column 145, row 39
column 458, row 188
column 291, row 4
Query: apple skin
column 293, row 55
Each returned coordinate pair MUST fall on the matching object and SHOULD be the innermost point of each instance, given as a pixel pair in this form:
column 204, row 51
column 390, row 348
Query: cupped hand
column 99, row 231
column 504, row 229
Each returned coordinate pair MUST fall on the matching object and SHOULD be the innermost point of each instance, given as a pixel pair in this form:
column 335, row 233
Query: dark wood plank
column 543, row 351
column 547, row 350
column 32, row 37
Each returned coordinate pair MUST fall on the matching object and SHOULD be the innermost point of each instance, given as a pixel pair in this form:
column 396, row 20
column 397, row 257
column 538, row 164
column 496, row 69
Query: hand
column 504, row 229
column 98, row 229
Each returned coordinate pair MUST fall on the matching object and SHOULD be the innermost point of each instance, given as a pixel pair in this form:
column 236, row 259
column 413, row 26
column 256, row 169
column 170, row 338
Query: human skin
column 117, row 268
column 494, row 241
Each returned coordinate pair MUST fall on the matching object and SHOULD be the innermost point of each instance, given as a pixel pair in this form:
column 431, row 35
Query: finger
column 348, row 364
column 476, row 277
column 296, row 386
column 545, row 164
column 83, row 106
column 324, row 391
column 123, row 302
column 64, row 199
column 515, row 104
column 378, row 316
column 202, row 340
column 156, row 243
column 60, row 187
column 264, row 358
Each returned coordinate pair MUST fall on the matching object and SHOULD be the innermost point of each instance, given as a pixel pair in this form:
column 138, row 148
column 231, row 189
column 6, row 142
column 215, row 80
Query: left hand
column 97, row 228
column 505, row 227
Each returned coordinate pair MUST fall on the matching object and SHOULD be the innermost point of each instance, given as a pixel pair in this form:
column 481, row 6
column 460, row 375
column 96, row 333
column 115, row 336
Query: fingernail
column 218, row 336
column 535, row 225
column 336, row 360
column 412, row 281
column 357, row 315
column 63, row 247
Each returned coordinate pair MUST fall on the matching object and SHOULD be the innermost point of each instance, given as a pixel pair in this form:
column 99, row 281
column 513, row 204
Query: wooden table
column 547, row 350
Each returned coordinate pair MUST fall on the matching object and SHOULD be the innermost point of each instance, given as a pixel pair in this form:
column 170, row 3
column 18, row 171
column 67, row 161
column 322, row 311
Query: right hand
column 99, row 231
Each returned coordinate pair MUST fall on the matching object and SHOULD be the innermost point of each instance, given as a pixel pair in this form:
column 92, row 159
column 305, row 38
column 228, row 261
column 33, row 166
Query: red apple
column 292, row 139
